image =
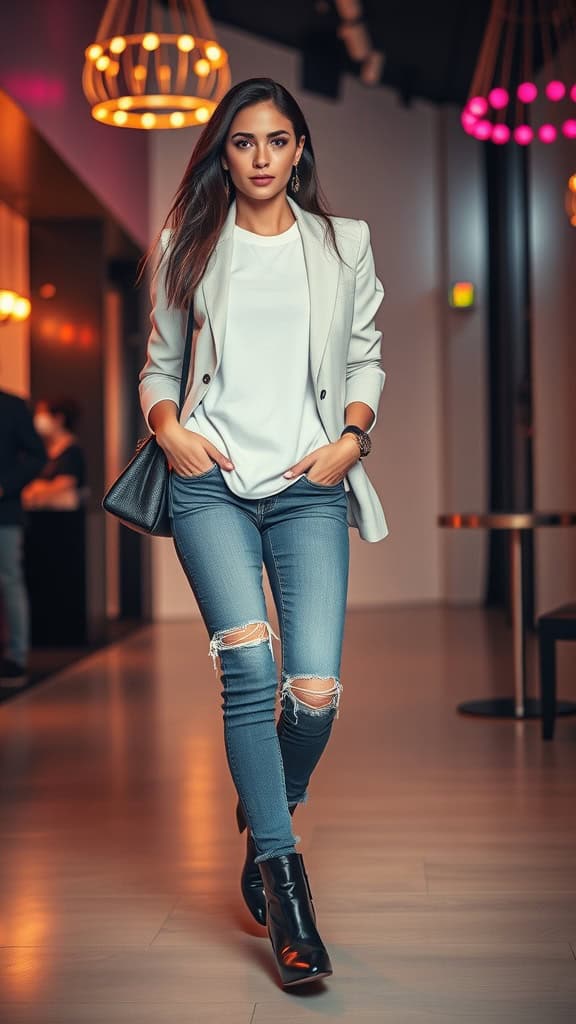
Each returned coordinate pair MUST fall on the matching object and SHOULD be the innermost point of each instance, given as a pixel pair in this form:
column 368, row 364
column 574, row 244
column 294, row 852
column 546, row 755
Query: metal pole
column 518, row 622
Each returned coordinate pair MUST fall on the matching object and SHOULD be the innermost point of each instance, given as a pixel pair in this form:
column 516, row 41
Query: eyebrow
column 280, row 131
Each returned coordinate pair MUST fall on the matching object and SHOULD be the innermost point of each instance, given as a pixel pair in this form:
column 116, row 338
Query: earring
column 295, row 180
column 226, row 183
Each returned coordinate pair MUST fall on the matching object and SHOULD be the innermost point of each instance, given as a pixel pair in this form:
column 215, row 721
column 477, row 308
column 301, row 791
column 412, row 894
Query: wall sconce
column 462, row 295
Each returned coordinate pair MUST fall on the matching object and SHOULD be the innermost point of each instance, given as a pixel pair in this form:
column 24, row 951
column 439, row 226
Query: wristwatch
column 364, row 439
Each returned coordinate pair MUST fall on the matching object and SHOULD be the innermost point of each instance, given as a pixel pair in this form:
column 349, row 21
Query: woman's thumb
column 223, row 461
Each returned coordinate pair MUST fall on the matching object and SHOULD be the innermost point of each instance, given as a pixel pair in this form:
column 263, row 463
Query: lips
column 262, row 179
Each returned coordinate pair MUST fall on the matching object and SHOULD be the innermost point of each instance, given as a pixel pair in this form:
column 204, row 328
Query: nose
column 260, row 160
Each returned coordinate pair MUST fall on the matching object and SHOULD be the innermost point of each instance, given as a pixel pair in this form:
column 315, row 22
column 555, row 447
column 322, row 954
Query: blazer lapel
column 322, row 268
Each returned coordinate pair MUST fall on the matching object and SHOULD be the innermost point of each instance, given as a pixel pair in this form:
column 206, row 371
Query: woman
column 60, row 485
column 285, row 353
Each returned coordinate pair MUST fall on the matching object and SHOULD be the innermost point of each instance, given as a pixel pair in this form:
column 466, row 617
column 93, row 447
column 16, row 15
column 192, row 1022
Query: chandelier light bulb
column 94, row 51
column 547, row 133
column 151, row 41
column 482, row 130
column 498, row 98
column 569, row 128
column 500, row 134
column 527, row 92
column 478, row 106
column 555, row 91
column 202, row 67
column 523, row 134
column 468, row 121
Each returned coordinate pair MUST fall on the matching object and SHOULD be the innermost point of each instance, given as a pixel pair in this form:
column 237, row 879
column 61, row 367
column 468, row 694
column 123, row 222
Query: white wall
column 463, row 388
column 377, row 161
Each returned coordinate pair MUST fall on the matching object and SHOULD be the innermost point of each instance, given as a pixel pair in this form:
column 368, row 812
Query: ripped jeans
column 301, row 536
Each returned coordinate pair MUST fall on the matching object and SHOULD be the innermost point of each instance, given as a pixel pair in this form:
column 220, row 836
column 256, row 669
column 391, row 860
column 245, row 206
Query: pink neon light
column 523, row 134
column 547, row 133
column 498, row 98
column 527, row 92
column 500, row 134
column 477, row 106
column 569, row 128
column 555, row 91
column 573, row 93
column 482, row 130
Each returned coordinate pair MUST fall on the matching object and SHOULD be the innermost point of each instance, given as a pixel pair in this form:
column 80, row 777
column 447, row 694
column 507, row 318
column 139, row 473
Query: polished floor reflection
column 441, row 848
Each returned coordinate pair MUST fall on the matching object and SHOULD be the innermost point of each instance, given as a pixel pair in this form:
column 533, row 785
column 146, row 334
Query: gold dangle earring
column 226, row 183
column 295, row 180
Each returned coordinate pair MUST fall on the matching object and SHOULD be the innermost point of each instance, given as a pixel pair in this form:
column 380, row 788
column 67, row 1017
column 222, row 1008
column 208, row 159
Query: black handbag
column 139, row 496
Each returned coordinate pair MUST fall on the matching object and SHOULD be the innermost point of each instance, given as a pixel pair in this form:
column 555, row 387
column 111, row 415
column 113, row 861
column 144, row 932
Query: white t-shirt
column 261, row 409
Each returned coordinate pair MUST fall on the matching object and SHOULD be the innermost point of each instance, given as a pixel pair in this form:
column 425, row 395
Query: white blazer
column 344, row 342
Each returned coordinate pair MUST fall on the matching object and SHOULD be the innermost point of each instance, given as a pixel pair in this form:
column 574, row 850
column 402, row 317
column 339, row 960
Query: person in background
column 22, row 457
column 60, row 485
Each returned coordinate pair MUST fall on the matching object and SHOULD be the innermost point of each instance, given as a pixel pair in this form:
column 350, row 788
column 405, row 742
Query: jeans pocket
column 196, row 476
column 324, row 487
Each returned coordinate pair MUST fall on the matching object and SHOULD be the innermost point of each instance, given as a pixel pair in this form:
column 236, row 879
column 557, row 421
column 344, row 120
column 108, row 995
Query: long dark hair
column 201, row 204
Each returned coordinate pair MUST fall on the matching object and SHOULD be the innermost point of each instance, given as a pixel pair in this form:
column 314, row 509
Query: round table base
column 505, row 707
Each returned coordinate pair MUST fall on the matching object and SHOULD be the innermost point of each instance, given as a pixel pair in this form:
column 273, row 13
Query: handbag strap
column 187, row 355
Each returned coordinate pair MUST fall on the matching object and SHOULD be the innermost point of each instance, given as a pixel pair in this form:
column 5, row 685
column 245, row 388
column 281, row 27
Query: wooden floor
column 441, row 848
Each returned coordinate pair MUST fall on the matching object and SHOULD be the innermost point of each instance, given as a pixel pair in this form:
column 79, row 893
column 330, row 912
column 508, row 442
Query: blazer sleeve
column 364, row 375
column 159, row 378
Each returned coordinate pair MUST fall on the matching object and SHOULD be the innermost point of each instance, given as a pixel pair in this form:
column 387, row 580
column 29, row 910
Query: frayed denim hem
column 281, row 851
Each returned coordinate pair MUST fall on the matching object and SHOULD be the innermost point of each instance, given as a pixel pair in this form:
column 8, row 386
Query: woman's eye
column 239, row 144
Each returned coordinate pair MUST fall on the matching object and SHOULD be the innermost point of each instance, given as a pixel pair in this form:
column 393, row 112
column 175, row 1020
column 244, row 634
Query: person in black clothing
column 22, row 457
column 60, row 485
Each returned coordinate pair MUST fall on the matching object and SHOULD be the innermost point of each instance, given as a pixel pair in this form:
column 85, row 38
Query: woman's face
column 261, row 141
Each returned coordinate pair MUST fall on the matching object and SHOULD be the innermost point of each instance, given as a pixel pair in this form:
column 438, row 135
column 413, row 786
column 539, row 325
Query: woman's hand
column 188, row 453
column 333, row 461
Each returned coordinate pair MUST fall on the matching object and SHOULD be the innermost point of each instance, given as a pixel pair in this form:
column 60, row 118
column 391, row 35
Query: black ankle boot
column 251, row 879
column 300, row 953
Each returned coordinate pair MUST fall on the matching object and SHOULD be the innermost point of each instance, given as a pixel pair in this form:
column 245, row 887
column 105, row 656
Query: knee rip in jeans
column 249, row 634
column 321, row 700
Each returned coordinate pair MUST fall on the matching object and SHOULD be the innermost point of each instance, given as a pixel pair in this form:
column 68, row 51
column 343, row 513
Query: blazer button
column 206, row 378
column 323, row 393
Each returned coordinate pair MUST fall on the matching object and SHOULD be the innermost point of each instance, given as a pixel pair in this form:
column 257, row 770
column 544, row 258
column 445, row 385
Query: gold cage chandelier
column 155, row 65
